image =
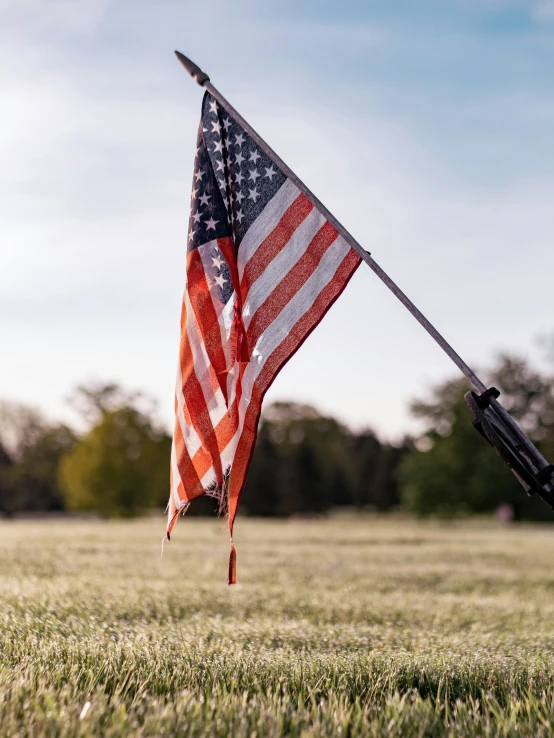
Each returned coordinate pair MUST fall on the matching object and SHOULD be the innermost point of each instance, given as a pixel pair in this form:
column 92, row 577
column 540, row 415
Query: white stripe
column 215, row 401
column 225, row 312
column 227, row 457
column 208, row 477
column 228, row 453
column 232, row 379
column 265, row 223
column 176, row 477
column 280, row 328
column 281, row 265
column 190, row 436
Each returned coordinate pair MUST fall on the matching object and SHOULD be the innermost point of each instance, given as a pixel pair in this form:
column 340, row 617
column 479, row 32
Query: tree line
column 304, row 463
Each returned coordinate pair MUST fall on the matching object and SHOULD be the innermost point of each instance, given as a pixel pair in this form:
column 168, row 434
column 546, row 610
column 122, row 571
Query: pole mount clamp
column 484, row 399
column 497, row 427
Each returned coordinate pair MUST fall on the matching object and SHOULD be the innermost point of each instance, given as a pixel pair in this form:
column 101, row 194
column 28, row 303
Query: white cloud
column 544, row 10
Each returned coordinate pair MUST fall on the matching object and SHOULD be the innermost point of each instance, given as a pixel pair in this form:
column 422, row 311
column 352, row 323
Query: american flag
column 263, row 267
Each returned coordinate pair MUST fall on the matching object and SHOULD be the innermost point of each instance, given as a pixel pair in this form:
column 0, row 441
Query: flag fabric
column 263, row 267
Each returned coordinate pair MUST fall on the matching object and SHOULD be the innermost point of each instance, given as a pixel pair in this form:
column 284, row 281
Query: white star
column 204, row 198
column 211, row 224
column 239, row 158
column 226, row 123
column 194, row 193
column 197, row 150
column 199, row 174
column 220, row 166
column 220, row 281
column 191, row 234
column 217, row 262
column 254, row 156
column 254, row 194
column 238, row 178
column 254, row 176
column 218, row 146
column 239, row 216
column 239, row 197
column 213, row 107
column 216, row 126
column 270, row 173
column 196, row 216
column 239, row 140
column 223, row 192
column 204, row 129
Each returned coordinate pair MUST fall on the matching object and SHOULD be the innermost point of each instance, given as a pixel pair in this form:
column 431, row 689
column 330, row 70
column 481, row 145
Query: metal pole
column 204, row 81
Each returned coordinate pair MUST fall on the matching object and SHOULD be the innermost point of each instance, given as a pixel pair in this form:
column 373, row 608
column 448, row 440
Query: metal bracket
column 497, row 427
column 484, row 399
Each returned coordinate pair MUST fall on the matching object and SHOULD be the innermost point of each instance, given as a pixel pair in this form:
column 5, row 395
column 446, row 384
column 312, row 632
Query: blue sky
column 427, row 128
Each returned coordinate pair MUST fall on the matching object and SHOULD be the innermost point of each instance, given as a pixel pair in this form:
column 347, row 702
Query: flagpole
column 204, row 81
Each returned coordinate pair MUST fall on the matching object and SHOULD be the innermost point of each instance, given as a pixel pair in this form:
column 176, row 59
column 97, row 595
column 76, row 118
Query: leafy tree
column 451, row 469
column 30, row 452
column 6, row 465
column 384, row 479
column 366, row 450
column 375, row 465
column 308, row 486
column 35, row 475
column 305, row 462
column 315, row 469
column 94, row 399
column 120, row 468
column 263, row 491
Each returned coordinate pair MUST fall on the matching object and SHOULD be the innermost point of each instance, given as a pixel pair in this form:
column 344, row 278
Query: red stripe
column 238, row 346
column 187, row 472
column 225, row 432
column 291, row 283
column 195, row 403
column 300, row 331
column 277, row 240
column 200, row 416
column 206, row 317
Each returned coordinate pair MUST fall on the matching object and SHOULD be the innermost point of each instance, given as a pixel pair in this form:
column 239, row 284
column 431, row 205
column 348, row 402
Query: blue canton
column 233, row 179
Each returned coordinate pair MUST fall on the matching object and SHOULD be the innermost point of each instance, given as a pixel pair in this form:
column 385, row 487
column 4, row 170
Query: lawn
column 346, row 626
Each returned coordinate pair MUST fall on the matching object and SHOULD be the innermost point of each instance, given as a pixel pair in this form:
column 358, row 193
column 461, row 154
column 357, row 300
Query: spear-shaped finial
column 194, row 71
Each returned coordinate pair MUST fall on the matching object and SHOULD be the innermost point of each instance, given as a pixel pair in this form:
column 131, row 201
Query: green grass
column 350, row 627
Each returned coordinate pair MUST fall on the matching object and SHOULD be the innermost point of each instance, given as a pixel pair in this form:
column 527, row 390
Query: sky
column 426, row 128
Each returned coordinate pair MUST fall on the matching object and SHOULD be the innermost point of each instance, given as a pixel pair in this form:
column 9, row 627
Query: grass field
column 350, row 627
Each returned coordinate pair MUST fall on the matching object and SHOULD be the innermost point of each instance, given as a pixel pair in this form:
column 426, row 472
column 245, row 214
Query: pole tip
column 194, row 71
